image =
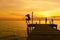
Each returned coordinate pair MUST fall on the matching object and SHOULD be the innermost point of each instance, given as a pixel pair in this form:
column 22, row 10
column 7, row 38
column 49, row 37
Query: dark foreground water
column 12, row 38
column 13, row 30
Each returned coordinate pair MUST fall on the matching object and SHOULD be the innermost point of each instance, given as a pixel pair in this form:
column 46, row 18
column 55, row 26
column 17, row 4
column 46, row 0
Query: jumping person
column 28, row 18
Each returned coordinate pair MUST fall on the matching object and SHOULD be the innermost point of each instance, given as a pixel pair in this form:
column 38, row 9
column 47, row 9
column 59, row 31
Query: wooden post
column 32, row 17
column 27, row 30
column 32, row 23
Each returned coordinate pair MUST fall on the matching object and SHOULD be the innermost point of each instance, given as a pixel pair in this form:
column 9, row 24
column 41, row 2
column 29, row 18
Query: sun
column 46, row 14
column 43, row 14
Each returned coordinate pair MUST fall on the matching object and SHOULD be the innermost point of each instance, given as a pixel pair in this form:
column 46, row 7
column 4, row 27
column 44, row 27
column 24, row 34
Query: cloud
column 21, row 7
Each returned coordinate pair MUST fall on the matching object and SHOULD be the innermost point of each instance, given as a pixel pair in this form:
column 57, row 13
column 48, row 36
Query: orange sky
column 19, row 8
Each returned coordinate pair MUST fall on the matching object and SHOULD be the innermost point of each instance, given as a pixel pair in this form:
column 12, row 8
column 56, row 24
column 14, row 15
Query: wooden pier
column 42, row 31
column 31, row 27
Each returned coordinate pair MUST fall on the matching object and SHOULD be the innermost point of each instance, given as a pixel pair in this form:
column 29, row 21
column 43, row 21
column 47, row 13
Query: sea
column 13, row 30
column 17, row 30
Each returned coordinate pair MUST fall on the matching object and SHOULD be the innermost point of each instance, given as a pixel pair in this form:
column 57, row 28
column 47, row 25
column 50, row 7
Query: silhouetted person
column 52, row 20
column 45, row 20
column 36, row 22
column 28, row 18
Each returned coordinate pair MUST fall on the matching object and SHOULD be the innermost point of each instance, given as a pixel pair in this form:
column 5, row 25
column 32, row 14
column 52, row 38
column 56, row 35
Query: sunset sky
column 19, row 8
